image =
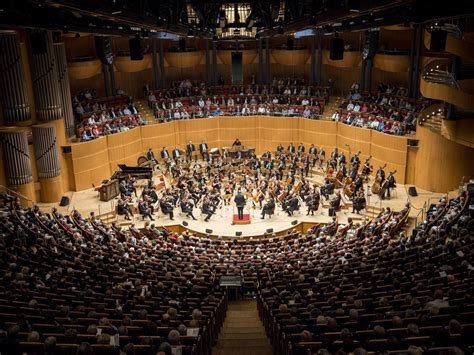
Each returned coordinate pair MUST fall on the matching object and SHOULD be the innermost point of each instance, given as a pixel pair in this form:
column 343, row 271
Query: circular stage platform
column 221, row 224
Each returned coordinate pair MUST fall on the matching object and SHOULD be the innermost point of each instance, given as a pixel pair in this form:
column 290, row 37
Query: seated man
column 167, row 207
column 292, row 205
column 208, row 209
column 123, row 209
column 268, row 208
column 187, row 208
column 336, row 202
column 144, row 210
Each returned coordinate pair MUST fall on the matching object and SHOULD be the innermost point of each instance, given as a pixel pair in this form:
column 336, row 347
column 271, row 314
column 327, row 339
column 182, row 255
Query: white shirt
column 350, row 106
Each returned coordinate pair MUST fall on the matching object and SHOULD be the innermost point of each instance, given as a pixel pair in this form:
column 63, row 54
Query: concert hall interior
column 284, row 177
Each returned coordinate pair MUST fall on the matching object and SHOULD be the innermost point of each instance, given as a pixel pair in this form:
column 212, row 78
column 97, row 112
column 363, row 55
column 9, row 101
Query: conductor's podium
column 244, row 220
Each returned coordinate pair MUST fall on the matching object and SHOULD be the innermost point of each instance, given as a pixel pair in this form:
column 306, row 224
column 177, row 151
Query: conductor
column 240, row 203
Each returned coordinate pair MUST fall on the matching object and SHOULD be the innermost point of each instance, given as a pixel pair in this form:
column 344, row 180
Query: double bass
column 386, row 185
column 377, row 183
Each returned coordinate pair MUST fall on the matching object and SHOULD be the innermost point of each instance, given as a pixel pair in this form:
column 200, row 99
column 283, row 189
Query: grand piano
column 138, row 172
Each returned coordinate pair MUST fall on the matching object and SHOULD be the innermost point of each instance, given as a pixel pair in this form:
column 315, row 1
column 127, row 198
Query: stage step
column 242, row 331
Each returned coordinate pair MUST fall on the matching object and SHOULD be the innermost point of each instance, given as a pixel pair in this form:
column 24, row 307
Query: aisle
column 242, row 332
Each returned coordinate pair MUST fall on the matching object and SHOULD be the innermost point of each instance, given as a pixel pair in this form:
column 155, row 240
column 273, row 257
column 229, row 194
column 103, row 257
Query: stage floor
column 221, row 223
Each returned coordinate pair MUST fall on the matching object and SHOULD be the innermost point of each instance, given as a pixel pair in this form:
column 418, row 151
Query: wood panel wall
column 97, row 160
column 441, row 163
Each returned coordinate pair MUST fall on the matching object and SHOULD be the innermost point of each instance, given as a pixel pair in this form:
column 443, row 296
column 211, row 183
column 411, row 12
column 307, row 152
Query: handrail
column 17, row 194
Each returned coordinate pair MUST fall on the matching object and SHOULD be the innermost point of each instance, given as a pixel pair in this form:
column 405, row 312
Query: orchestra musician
column 312, row 202
column 268, row 208
column 291, row 204
column 381, row 174
column 358, row 201
column 280, row 148
column 176, row 153
column 240, row 203
column 187, row 208
column 208, row 208
column 327, row 189
column 291, row 148
column 236, row 143
column 123, row 209
column 164, row 154
column 301, row 148
column 388, row 184
column 190, row 148
column 167, row 206
column 312, row 151
column 144, row 210
column 203, row 148
column 322, row 156
column 336, row 202
column 150, row 156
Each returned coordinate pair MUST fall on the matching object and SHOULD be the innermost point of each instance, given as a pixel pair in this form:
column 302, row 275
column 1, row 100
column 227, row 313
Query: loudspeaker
column 413, row 142
column 290, row 44
column 38, row 42
column 370, row 46
column 103, row 48
column 209, row 231
column 238, row 234
column 294, row 223
column 64, row 201
column 270, row 230
column 185, row 223
column 182, row 44
column 438, row 40
column 67, row 149
column 337, row 49
column 135, row 48
column 332, row 212
column 412, row 191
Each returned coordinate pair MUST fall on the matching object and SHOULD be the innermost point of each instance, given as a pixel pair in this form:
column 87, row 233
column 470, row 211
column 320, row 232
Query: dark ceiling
column 204, row 18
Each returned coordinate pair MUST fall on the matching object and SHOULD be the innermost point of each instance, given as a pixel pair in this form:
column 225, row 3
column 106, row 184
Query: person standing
column 204, row 150
column 190, row 149
column 240, row 203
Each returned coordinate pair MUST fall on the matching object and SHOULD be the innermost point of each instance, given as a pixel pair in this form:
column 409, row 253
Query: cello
column 377, row 183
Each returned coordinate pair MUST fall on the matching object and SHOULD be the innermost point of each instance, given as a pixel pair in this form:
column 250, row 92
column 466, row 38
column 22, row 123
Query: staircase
column 331, row 107
column 146, row 112
column 242, row 332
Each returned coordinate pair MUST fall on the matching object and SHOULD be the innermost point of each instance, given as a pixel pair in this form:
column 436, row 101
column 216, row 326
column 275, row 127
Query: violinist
column 208, row 208
column 342, row 159
column 327, row 189
column 312, row 202
column 336, row 202
column 291, row 204
column 322, row 156
column 280, row 148
column 358, row 201
column 366, row 170
column 187, row 208
column 268, row 208
column 166, row 206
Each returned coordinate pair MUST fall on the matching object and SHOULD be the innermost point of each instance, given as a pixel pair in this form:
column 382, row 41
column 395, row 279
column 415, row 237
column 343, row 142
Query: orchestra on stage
column 236, row 176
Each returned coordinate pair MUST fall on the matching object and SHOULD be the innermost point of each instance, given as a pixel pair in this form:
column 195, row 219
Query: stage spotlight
column 294, row 223
column 209, row 231
column 185, row 223
column 238, row 234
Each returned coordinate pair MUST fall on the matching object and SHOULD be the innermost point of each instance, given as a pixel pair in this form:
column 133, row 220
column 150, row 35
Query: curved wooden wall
column 351, row 59
column 126, row 65
column 97, row 160
column 248, row 56
column 293, row 57
column 446, row 93
column 392, row 63
column 454, row 45
column 84, row 70
column 184, row 59
column 441, row 163
column 459, row 131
